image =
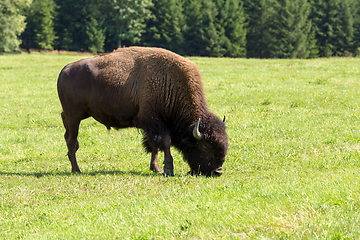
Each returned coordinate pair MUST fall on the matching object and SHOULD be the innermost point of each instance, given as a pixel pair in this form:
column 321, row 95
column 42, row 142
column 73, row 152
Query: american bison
column 151, row 89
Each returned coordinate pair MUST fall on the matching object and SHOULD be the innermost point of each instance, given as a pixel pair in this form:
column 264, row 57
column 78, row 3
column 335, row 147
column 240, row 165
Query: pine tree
column 313, row 48
column 95, row 36
column 201, row 36
column 289, row 29
column 344, row 29
column 70, row 25
column 356, row 14
column 78, row 26
column 39, row 32
column 165, row 27
column 230, row 24
column 333, row 24
column 11, row 23
column 125, row 21
column 257, row 38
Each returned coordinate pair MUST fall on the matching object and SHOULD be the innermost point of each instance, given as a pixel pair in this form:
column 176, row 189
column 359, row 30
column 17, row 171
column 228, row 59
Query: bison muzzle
column 151, row 89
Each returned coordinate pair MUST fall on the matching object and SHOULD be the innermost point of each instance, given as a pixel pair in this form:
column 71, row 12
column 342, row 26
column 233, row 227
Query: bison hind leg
column 71, row 133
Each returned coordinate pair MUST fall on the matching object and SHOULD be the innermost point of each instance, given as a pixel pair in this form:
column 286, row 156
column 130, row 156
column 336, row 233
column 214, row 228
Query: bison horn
column 224, row 119
column 196, row 132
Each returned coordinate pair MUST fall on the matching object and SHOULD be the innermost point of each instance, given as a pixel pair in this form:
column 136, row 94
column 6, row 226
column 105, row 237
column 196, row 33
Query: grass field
column 292, row 170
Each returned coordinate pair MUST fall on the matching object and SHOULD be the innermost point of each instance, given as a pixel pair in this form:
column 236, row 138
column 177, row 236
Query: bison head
column 206, row 149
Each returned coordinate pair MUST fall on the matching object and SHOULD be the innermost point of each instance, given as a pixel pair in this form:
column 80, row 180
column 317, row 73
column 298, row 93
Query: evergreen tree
column 356, row 14
column 201, row 34
column 125, row 21
column 39, row 32
column 343, row 29
column 230, row 24
column 333, row 24
column 70, row 25
column 95, row 36
column 313, row 48
column 289, row 30
column 321, row 25
column 165, row 27
column 257, row 38
column 11, row 23
column 79, row 26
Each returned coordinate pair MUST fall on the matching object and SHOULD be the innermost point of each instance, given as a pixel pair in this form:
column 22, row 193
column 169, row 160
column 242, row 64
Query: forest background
column 216, row 28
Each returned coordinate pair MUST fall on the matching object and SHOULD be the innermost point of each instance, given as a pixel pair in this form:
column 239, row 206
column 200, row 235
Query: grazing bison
column 152, row 89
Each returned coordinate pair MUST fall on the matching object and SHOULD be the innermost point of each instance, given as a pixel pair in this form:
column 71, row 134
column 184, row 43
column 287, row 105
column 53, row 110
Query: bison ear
column 196, row 133
column 224, row 119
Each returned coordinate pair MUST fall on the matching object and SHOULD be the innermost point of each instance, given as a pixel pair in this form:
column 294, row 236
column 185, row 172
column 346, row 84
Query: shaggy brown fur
column 152, row 89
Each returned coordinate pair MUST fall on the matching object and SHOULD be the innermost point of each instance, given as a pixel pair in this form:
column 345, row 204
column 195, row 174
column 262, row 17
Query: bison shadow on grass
column 91, row 173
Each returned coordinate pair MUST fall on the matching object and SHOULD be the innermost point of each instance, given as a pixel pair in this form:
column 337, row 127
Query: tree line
column 229, row 28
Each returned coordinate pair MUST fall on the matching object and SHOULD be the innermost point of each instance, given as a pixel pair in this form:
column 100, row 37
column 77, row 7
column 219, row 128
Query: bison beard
column 151, row 89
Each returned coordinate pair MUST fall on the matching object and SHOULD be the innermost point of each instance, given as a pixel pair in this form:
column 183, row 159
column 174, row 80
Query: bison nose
column 217, row 172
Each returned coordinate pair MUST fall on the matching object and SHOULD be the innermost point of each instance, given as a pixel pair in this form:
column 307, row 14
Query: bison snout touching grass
column 151, row 89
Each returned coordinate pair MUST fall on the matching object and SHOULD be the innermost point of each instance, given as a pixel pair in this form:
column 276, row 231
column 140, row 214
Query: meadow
column 292, row 170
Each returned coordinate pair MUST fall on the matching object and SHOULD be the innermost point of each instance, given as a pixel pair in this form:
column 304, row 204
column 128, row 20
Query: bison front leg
column 168, row 159
column 156, row 137
column 153, row 147
column 154, row 165
column 72, row 129
column 168, row 163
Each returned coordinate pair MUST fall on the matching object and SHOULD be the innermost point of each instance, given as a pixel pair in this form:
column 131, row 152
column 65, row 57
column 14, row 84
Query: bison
column 152, row 89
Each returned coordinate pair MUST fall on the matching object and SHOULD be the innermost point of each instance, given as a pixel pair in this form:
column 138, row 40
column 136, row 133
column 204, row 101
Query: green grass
column 292, row 170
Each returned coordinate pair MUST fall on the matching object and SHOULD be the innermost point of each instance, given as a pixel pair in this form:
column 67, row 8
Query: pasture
column 292, row 170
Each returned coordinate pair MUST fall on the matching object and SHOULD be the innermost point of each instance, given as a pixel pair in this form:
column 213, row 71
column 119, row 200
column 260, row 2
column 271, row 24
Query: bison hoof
column 168, row 172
